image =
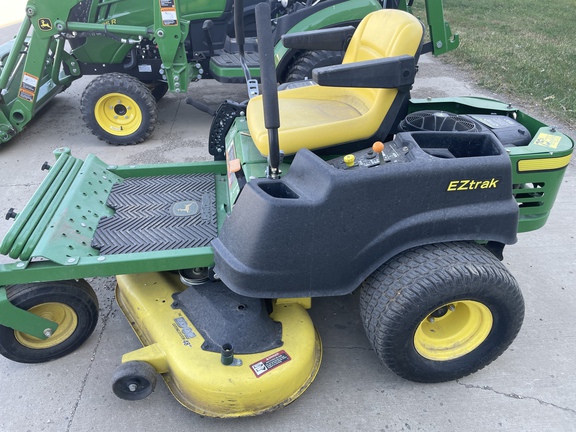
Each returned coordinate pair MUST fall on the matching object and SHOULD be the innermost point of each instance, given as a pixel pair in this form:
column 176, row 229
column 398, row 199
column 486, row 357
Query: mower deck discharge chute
column 327, row 186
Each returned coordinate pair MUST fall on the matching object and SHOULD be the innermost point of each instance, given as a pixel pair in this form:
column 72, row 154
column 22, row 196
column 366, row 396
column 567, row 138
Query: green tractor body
column 165, row 45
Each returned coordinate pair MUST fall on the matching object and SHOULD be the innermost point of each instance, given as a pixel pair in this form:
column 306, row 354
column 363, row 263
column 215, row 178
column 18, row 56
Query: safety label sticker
column 271, row 362
column 547, row 140
column 23, row 94
column 168, row 12
column 29, row 83
column 169, row 17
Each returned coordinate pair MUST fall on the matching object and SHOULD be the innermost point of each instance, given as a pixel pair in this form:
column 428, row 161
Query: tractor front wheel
column 73, row 305
column 440, row 312
column 119, row 109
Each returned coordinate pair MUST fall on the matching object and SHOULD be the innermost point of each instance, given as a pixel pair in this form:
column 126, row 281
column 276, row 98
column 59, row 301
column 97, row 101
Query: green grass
column 524, row 48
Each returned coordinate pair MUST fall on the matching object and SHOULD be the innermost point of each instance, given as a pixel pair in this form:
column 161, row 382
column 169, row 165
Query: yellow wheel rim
column 61, row 314
column 453, row 330
column 118, row 114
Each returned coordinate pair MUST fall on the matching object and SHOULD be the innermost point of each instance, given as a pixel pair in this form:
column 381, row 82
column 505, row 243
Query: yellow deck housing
column 252, row 385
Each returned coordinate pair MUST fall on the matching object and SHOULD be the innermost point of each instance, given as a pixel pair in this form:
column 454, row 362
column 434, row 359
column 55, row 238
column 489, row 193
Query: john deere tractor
column 140, row 49
column 338, row 183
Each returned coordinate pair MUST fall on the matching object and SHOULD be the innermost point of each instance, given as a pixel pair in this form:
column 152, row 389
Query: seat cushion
column 315, row 117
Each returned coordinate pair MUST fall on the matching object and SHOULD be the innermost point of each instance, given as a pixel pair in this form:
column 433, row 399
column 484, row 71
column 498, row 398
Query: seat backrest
column 382, row 34
column 385, row 33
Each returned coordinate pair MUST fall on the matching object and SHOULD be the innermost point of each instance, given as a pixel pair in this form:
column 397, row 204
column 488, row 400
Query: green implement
column 135, row 47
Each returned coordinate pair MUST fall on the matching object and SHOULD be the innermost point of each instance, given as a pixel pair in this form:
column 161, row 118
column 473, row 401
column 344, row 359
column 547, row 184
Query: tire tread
column 419, row 275
column 119, row 82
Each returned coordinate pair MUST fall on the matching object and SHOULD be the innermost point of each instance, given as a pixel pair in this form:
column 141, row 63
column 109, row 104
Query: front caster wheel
column 440, row 312
column 73, row 305
column 134, row 380
column 119, row 109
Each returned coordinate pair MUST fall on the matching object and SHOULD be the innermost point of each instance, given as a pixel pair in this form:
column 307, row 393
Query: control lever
column 378, row 148
column 206, row 26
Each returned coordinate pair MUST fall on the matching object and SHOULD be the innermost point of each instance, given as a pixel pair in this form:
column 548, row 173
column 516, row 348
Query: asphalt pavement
column 531, row 387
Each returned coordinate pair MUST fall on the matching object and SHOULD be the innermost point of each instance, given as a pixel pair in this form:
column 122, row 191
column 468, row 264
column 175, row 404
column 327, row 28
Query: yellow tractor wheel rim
column 453, row 330
column 61, row 314
column 118, row 114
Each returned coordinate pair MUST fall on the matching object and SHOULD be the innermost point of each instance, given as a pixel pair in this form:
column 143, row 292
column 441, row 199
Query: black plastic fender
column 321, row 231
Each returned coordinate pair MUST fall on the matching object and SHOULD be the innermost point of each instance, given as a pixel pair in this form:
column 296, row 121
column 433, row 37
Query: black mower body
column 324, row 227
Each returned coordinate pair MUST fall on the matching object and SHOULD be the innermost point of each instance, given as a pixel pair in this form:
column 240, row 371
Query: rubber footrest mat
column 159, row 213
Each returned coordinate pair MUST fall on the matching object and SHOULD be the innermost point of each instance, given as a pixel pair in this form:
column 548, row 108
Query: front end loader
column 328, row 186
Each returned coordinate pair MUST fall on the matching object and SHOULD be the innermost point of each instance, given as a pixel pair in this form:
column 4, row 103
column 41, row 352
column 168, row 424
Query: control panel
column 380, row 154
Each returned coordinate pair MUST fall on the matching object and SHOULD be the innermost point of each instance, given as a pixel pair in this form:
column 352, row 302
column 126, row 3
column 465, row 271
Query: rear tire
column 119, row 109
column 302, row 67
column 440, row 312
column 73, row 305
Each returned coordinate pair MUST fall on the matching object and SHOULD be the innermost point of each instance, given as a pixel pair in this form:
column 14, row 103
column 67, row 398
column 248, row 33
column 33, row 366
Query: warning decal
column 26, row 95
column 28, row 86
column 169, row 17
column 273, row 361
column 168, row 12
column 547, row 140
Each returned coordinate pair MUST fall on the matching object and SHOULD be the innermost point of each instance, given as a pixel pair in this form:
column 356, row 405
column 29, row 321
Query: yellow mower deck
column 251, row 385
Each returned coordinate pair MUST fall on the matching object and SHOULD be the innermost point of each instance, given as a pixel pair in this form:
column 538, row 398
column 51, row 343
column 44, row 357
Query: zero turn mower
column 327, row 186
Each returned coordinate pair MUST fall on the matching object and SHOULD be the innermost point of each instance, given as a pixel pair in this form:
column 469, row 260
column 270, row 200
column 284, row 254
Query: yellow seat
column 316, row 116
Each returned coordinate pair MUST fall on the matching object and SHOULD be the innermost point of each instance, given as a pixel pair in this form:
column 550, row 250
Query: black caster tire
column 440, row 312
column 72, row 304
column 302, row 67
column 119, row 109
column 134, row 380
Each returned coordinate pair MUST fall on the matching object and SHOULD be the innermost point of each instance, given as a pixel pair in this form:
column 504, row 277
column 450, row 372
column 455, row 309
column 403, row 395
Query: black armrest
column 391, row 72
column 334, row 39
